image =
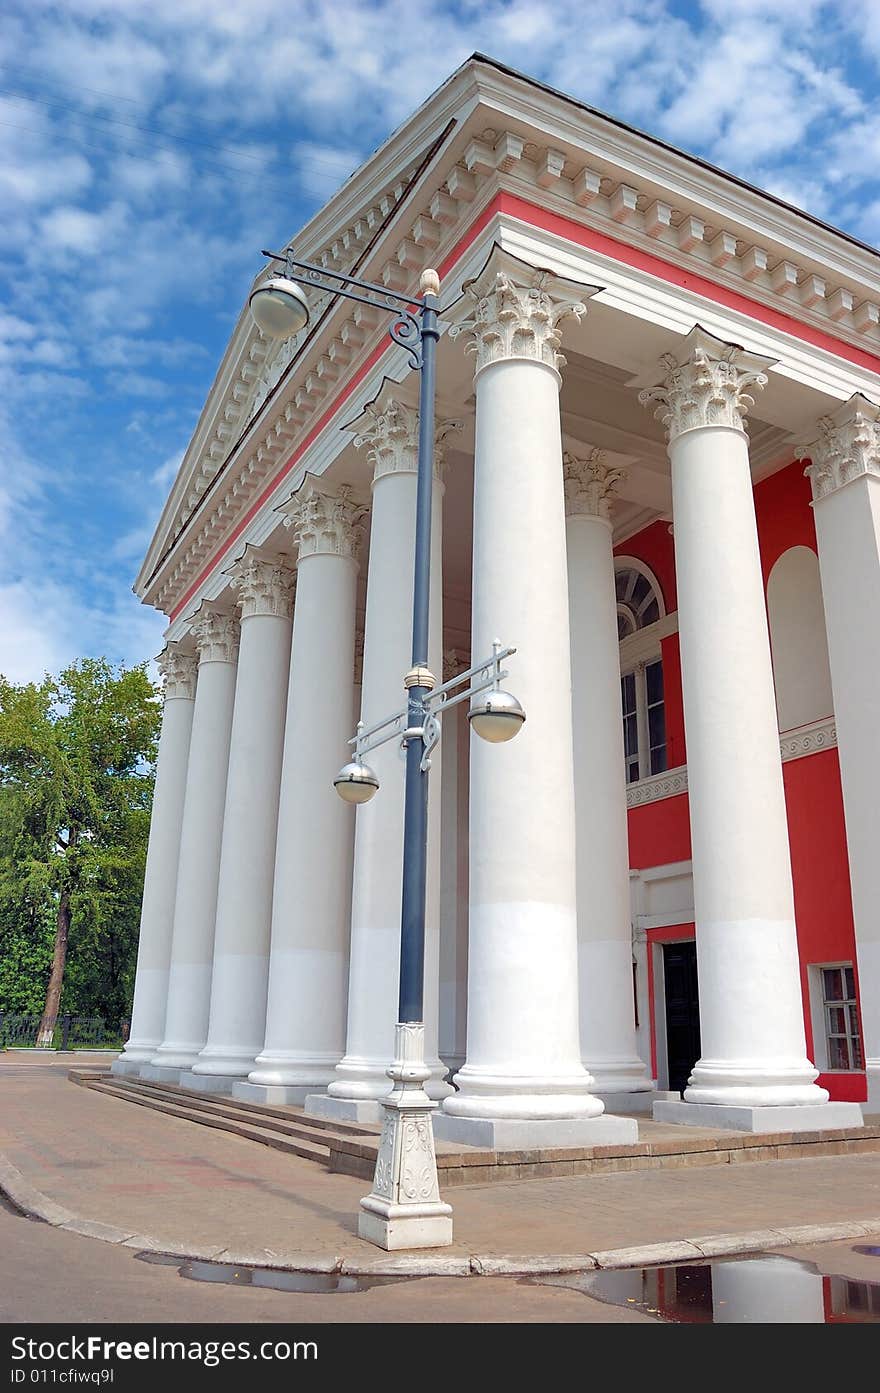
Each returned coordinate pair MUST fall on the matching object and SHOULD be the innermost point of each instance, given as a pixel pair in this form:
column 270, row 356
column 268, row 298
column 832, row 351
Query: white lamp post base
column 404, row 1208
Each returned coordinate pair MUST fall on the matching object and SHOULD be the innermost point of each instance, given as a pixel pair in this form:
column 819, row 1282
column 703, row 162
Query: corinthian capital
column 265, row 585
column 590, row 484
column 707, row 383
column 323, row 519
column 848, row 446
column 178, row 672
column 389, row 431
column 517, row 311
column 216, row 635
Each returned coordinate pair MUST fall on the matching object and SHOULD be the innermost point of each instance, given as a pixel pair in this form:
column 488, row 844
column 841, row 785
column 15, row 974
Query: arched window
column 638, row 599
column 639, row 605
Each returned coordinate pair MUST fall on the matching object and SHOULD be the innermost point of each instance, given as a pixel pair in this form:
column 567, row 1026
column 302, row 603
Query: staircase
column 340, row 1146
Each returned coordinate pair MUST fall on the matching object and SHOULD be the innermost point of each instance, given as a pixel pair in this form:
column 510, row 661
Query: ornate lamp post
column 404, row 1209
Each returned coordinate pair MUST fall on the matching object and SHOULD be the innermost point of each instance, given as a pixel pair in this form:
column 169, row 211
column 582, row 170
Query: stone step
column 295, row 1145
column 290, row 1122
column 270, row 1111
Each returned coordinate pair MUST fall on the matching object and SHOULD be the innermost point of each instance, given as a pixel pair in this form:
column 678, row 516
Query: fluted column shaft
column 160, row 880
column 389, row 431
column 523, row 1054
column 308, row 965
column 751, row 1013
column 192, row 950
column 607, row 1020
column 247, row 860
column 845, row 474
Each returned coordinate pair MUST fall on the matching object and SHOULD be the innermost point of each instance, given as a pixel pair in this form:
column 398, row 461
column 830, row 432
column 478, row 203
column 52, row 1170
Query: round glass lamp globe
column 496, row 717
column 279, row 307
column 356, row 783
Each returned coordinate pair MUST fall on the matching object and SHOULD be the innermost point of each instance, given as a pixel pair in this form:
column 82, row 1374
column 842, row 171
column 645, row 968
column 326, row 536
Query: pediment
column 484, row 133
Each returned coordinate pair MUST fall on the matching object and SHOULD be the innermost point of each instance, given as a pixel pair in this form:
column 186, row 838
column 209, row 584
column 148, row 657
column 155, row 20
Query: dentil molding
column 265, row 585
column 178, row 671
column 216, row 636
column 848, row 447
column 707, row 383
column 590, row 485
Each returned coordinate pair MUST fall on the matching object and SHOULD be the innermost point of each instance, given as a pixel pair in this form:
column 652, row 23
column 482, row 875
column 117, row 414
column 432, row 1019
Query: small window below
column 843, row 1042
column 644, row 721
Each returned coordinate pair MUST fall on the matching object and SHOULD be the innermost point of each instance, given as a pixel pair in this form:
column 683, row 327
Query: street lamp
column 404, row 1209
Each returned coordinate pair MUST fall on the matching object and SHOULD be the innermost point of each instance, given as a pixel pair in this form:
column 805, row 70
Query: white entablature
column 495, row 147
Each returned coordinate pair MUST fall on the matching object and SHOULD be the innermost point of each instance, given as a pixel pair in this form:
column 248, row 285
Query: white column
column 454, row 876
column 160, row 880
column 192, row 952
column 239, row 980
column 607, row 1016
column 523, row 1082
column 308, row 964
column 845, row 474
column 389, row 431
column 754, row 1073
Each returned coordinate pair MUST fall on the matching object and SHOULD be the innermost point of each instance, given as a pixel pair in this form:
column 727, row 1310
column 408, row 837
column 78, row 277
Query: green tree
column 77, row 756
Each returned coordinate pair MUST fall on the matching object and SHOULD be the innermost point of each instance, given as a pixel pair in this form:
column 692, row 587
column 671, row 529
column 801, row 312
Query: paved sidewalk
column 204, row 1192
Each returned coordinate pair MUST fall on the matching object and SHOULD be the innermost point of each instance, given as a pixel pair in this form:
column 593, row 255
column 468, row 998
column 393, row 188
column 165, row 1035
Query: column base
column 160, row 1073
column 127, row 1067
column 343, row 1109
column 274, row 1094
column 207, row 1083
column 177, row 1056
column 872, row 1075
column 641, row 1100
column 360, row 1079
column 514, row 1134
column 808, row 1118
column 400, row 1228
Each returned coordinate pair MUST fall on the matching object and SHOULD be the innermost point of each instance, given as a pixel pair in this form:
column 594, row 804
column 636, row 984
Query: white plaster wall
column 799, row 646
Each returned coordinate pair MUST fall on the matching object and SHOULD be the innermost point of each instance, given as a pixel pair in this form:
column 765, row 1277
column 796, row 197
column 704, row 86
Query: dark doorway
column 682, row 1011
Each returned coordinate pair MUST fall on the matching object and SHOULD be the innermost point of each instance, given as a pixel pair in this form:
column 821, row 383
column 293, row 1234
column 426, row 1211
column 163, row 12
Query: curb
column 35, row 1205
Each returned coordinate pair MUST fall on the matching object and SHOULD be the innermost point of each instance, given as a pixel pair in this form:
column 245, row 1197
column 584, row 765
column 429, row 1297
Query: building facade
column 658, row 477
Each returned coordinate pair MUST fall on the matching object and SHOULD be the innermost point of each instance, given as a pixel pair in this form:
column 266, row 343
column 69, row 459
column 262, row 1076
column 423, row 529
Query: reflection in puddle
column 238, row 1275
column 768, row 1290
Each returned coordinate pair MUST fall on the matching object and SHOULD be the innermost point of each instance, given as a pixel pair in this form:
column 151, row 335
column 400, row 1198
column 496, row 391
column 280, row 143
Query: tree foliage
column 77, row 756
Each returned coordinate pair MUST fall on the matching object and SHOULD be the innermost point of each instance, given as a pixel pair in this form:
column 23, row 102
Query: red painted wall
column 660, row 832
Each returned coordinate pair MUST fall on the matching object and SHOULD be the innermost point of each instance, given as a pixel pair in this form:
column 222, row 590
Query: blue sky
column 149, row 148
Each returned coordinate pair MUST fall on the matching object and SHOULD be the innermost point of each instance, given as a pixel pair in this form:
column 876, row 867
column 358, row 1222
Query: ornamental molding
column 847, row 448
column 811, row 739
column 324, row 520
column 706, row 383
column 388, row 430
column 266, row 585
column 267, row 398
column 590, row 484
column 179, row 671
column 216, row 635
column 517, row 310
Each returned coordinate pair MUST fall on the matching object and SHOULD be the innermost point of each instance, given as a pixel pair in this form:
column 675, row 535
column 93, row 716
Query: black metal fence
column 68, row 1032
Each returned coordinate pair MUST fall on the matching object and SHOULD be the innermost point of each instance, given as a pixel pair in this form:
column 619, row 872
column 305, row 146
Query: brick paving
column 182, row 1184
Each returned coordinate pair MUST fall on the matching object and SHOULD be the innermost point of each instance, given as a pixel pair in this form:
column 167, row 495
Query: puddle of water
column 239, row 1275
column 732, row 1291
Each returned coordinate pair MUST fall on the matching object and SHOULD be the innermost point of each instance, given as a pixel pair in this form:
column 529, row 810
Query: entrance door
column 682, row 1011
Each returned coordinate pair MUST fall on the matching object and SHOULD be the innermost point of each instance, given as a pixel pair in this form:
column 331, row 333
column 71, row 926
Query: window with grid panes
column 842, row 1031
